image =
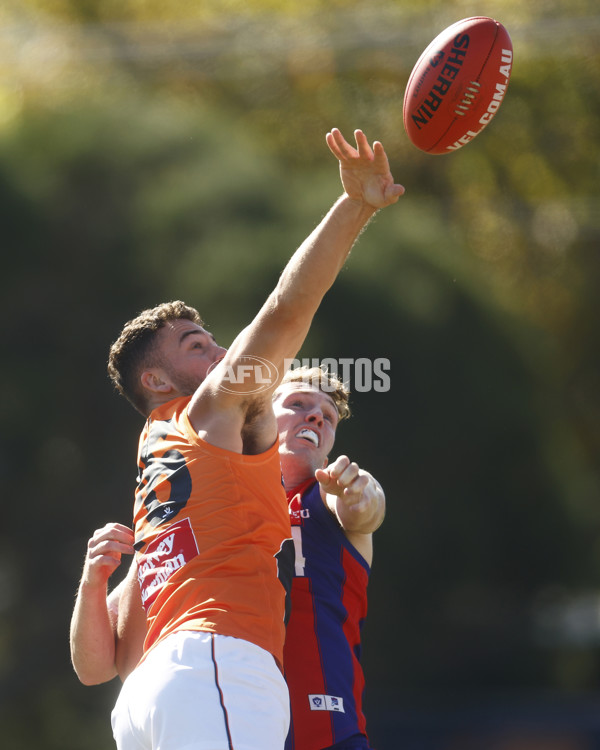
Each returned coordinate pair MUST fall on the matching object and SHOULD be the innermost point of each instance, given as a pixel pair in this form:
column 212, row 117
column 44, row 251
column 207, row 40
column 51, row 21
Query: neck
column 156, row 401
column 294, row 473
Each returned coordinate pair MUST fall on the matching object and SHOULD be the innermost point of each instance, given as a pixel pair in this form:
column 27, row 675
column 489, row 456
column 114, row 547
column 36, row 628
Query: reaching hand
column 365, row 171
column 356, row 488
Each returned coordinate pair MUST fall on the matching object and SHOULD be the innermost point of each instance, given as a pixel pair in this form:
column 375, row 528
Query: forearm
column 313, row 268
column 368, row 186
column 282, row 324
column 92, row 636
column 279, row 329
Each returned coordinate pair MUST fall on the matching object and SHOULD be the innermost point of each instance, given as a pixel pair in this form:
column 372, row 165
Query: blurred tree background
column 156, row 150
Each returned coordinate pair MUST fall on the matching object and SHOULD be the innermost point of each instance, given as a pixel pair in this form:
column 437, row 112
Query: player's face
column 188, row 353
column 307, row 420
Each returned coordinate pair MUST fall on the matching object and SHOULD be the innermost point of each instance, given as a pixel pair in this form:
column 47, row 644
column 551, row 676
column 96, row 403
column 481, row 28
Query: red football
column 457, row 85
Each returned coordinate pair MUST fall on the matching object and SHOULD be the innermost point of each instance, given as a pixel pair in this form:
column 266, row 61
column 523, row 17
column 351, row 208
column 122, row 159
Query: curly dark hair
column 135, row 349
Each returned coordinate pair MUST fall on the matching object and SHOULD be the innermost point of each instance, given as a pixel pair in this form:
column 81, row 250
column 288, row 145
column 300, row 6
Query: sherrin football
column 457, row 85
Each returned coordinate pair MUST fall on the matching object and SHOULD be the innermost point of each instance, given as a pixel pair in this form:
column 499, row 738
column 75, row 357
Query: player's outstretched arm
column 279, row 329
column 94, row 620
column 368, row 186
column 354, row 495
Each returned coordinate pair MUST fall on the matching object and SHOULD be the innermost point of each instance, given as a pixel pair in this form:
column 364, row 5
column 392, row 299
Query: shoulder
column 242, row 423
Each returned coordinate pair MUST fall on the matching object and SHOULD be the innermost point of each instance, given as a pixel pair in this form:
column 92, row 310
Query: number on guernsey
column 300, row 559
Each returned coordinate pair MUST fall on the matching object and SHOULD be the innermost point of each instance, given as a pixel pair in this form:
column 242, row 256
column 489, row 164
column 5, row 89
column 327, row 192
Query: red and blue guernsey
column 322, row 646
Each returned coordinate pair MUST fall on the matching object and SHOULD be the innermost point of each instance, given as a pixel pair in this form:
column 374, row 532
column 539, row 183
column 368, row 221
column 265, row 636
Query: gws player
column 211, row 517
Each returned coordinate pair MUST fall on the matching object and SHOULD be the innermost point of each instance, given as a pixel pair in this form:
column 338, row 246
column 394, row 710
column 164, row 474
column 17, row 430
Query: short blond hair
column 326, row 382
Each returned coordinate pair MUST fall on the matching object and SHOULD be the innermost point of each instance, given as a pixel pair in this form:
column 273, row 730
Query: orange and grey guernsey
column 212, row 534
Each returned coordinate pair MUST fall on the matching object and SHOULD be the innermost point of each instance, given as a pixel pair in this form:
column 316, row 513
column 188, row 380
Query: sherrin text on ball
column 457, row 85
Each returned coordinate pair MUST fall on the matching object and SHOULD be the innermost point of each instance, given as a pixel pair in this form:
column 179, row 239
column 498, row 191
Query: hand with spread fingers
column 364, row 170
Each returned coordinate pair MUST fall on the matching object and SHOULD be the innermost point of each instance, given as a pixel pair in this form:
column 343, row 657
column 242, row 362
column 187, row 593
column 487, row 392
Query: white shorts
column 199, row 691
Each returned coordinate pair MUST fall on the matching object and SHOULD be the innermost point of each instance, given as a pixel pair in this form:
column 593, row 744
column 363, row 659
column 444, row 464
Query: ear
column 154, row 381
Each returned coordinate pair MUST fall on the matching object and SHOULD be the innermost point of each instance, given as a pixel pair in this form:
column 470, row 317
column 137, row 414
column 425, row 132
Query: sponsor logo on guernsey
column 326, row 703
column 297, row 512
column 165, row 555
column 443, row 83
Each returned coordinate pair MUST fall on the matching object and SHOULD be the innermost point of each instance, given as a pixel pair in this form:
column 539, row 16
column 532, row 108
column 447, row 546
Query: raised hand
column 357, row 489
column 364, row 171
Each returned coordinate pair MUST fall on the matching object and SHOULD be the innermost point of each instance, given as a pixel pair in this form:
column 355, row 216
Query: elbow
column 87, row 680
column 85, row 677
column 89, row 674
column 90, row 678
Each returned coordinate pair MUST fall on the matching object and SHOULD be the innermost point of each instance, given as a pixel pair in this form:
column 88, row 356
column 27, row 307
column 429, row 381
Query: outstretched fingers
column 364, row 170
column 339, row 146
column 364, row 149
column 343, row 151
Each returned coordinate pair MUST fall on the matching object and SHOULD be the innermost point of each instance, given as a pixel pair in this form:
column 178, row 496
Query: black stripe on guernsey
column 225, row 715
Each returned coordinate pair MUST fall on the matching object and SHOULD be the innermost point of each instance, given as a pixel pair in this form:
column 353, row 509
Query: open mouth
column 309, row 435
